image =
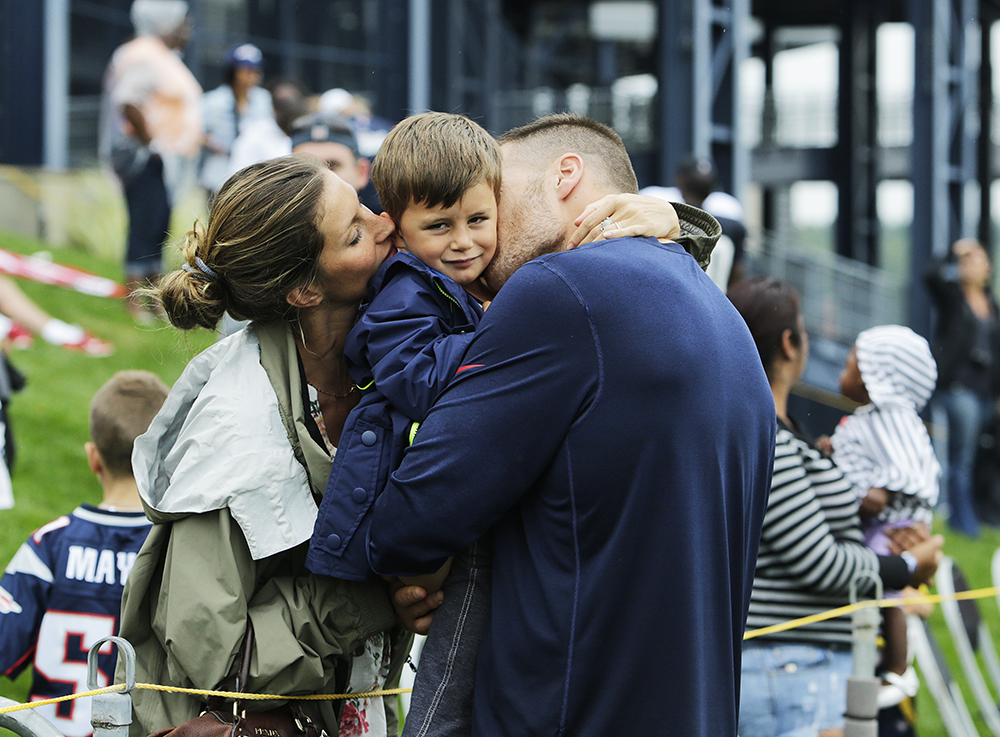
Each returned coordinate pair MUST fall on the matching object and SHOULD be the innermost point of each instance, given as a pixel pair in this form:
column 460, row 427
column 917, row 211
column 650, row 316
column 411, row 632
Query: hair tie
column 202, row 266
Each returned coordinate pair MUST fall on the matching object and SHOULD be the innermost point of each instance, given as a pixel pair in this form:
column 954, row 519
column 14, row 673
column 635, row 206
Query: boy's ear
column 304, row 296
column 93, row 458
column 569, row 172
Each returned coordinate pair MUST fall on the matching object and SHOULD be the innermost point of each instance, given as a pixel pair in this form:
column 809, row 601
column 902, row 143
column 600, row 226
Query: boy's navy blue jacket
column 406, row 347
column 614, row 427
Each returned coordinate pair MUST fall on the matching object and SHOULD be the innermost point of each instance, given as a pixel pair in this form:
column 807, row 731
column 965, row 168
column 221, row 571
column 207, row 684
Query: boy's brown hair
column 434, row 159
column 120, row 412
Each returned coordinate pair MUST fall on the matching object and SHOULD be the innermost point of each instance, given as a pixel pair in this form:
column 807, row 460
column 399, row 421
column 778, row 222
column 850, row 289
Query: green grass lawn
column 50, row 422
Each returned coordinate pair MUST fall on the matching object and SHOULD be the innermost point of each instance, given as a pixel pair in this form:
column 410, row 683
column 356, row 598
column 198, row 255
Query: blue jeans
column 791, row 689
column 963, row 414
column 441, row 703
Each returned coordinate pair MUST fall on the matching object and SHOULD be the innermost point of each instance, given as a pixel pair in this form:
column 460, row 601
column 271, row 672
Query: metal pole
column 420, row 56
column 56, row 91
column 861, row 714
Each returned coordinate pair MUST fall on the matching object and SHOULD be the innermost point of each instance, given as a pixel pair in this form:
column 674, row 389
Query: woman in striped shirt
column 794, row 682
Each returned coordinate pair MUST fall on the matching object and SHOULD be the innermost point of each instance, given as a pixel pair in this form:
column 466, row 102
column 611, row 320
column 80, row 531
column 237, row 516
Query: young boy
column 438, row 178
column 885, row 451
column 62, row 590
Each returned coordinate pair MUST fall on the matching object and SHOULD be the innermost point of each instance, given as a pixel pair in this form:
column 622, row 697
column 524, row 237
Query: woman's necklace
column 346, row 394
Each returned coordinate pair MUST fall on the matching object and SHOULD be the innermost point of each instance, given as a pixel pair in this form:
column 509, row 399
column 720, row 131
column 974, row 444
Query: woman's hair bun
column 193, row 296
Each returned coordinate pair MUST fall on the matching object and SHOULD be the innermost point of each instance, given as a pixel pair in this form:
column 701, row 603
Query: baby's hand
column 874, row 502
column 825, row 445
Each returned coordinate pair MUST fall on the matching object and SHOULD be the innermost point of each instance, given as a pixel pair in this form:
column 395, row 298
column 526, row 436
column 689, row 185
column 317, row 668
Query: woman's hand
column 631, row 215
column 414, row 607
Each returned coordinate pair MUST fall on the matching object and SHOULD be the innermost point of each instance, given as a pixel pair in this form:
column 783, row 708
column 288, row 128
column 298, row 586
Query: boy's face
column 459, row 241
column 852, row 385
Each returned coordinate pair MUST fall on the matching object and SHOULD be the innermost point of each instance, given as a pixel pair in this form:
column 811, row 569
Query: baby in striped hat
column 885, row 451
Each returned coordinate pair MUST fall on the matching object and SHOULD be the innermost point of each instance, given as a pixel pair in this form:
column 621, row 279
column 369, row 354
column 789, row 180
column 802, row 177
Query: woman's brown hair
column 769, row 307
column 262, row 241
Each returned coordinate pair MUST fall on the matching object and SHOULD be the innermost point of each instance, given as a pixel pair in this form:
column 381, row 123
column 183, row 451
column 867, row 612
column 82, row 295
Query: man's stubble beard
column 536, row 231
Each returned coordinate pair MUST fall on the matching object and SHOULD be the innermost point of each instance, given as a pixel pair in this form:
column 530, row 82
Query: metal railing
column 840, row 296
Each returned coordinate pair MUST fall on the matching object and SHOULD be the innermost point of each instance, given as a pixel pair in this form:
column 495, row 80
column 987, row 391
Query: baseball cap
column 322, row 128
column 699, row 232
column 245, row 55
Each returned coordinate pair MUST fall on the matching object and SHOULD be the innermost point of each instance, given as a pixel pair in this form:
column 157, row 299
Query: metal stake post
column 863, row 686
column 112, row 712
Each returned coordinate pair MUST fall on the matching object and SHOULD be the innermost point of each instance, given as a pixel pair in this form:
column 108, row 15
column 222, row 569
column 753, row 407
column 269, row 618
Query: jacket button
column 368, row 437
column 359, row 495
column 333, row 541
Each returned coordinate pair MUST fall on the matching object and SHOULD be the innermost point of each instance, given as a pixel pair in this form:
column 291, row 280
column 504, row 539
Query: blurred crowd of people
column 161, row 134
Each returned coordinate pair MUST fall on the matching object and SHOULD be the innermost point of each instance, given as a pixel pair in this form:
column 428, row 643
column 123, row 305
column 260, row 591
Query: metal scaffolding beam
column 945, row 129
column 466, row 67
column 856, row 157
column 703, row 45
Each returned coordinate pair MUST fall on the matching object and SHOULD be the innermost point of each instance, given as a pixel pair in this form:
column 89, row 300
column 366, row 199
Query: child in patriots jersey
column 885, row 451
column 61, row 592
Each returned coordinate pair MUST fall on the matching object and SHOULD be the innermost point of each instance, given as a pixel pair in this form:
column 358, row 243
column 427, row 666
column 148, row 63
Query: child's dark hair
column 120, row 412
column 434, row 159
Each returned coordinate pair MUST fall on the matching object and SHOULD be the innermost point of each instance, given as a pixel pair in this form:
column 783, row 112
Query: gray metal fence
column 840, row 296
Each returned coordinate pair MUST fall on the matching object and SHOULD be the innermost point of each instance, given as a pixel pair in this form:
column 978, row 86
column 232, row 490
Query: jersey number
column 61, row 657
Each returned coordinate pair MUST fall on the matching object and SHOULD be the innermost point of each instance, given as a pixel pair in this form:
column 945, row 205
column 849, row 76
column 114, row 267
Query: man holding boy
column 609, row 425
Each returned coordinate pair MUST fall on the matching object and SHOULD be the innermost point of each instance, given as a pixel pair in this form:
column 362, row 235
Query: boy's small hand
column 414, row 608
column 632, row 215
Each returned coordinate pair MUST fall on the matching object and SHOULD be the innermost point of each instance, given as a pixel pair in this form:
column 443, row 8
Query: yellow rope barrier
column 881, row 603
column 791, row 624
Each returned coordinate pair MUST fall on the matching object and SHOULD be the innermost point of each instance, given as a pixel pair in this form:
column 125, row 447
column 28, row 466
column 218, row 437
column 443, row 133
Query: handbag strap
column 216, row 703
column 245, row 654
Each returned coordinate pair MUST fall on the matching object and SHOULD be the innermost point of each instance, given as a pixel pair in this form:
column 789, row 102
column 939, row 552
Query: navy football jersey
column 61, row 593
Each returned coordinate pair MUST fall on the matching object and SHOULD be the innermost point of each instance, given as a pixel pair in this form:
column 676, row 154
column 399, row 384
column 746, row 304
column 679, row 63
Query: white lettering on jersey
column 125, row 563
column 98, row 566
column 7, row 603
column 106, row 567
column 54, row 660
column 82, row 563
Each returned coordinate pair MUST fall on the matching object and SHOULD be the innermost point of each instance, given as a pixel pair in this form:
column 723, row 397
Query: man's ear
column 569, row 172
column 304, row 296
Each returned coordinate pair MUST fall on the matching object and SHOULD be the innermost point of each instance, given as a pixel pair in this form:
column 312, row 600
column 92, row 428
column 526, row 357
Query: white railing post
column 862, row 687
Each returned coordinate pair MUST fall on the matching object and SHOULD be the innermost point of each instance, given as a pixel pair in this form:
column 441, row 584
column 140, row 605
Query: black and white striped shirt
column 811, row 545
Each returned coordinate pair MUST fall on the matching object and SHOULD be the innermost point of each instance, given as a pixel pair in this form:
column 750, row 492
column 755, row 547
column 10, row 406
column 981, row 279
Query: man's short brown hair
column 434, row 159
column 540, row 142
column 120, row 412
